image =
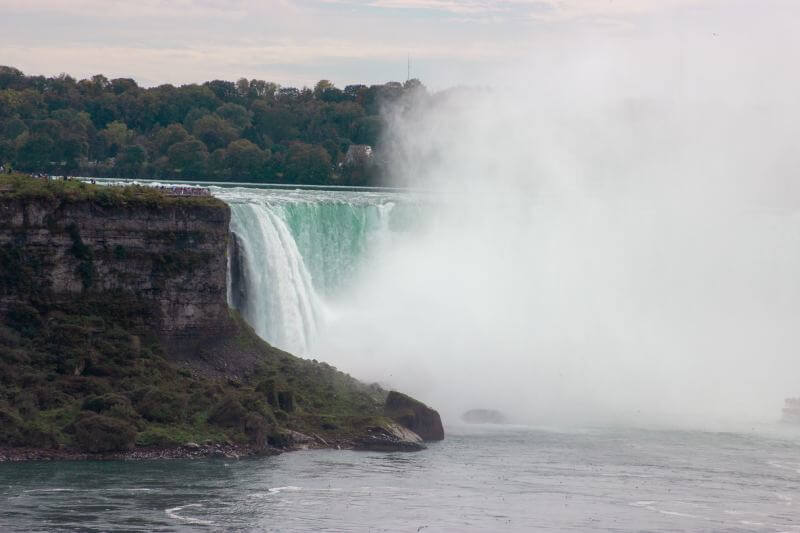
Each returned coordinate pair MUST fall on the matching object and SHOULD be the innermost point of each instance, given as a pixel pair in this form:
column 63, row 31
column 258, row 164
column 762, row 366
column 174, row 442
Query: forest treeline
column 248, row 130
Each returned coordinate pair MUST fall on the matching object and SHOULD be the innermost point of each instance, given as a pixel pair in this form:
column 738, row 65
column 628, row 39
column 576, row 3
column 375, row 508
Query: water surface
column 482, row 480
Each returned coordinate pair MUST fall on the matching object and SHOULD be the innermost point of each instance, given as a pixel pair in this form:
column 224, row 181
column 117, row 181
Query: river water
column 478, row 479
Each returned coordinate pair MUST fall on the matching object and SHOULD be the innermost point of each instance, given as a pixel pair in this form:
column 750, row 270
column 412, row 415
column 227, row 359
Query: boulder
column 483, row 416
column 299, row 438
column 414, row 415
column 389, row 438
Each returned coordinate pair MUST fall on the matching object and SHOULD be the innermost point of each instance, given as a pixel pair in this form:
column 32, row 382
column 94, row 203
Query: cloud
column 542, row 9
column 298, row 41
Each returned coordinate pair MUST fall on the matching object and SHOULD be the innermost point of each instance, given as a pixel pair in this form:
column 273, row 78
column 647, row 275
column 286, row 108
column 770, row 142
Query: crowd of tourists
column 174, row 190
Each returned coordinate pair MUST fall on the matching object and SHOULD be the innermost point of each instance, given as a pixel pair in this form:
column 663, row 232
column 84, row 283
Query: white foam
column 676, row 513
column 173, row 513
column 276, row 490
column 643, row 503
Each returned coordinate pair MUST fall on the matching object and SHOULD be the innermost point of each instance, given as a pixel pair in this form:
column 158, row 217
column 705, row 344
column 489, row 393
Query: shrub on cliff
column 10, row 427
column 229, row 412
column 98, row 433
column 100, row 404
column 159, row 405
column 257, row 429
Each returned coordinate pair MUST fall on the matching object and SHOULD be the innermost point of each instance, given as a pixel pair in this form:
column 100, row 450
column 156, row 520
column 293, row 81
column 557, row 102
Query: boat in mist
column 484, row 416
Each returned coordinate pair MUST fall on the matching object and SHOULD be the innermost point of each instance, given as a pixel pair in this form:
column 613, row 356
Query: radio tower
column 408, row 73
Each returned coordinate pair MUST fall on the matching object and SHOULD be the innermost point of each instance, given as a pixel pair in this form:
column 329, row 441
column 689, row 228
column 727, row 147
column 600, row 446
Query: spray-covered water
column 613, row 233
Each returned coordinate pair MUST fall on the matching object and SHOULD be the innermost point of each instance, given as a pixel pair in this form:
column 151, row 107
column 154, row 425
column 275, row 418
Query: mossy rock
column 98, row 433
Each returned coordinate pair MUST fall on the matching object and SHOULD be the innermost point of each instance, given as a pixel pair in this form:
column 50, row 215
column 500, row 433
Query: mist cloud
column 613, row 234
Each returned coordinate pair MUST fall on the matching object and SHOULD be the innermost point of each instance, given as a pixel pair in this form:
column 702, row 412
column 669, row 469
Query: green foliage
column 309, row 164
column 114, row 128
column 159, row 405
column 98, row 433
column 23, row 187
column 229, row 412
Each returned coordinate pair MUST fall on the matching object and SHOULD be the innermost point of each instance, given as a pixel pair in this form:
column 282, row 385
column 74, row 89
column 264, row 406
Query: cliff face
column 115, row 334
column 171, row 255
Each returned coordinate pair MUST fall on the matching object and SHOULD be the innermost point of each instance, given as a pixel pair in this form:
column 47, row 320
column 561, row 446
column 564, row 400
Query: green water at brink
column 304, row 250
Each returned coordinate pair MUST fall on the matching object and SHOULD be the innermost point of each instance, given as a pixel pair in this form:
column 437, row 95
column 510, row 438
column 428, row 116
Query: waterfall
column 278, row 299
column 293, row 254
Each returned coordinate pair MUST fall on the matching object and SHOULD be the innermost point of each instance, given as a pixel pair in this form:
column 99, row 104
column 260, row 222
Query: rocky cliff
column 116, row 338
column 171, row 254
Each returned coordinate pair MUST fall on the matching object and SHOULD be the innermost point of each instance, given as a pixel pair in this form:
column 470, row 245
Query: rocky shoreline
column 395, row 434
column 376, row 439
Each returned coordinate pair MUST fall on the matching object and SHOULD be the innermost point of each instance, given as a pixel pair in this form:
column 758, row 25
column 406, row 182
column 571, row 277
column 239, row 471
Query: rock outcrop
column 172, row 255
column 414, row 415
column 389, row 438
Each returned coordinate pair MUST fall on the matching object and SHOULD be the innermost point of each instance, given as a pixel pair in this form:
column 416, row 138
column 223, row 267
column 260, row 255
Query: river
column 480, row 478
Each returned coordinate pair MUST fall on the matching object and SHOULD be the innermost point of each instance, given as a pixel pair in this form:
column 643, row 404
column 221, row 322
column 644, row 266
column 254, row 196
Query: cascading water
column 295, row 251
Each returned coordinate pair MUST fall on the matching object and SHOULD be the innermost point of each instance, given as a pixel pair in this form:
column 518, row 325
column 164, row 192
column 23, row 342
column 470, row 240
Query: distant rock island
column 484, row 416
column 116, row 339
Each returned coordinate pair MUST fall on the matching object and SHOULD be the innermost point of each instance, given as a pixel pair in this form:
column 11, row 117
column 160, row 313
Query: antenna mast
column 408, row 74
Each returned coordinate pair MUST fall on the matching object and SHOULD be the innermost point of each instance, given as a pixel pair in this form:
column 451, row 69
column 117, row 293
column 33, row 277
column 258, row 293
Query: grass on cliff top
column 21, row 186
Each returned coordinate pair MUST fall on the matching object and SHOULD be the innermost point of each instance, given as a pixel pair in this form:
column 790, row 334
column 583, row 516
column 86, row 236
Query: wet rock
column 299, row 438
column 483, row 416
column 191, row 446
column 391, row 438
column 414, row 415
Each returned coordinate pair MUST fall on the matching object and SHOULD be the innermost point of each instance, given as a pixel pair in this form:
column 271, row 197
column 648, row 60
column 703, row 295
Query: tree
column 235, row 114
column 253, row 129
column 215, row 132
column 115, row 136
column 14, row 128
column 130, row 162
column 367, row 130
column 321, row 87
column 166, row 137
column 10, row 77
column 188, row 158
column 277, row 123
column 34, row 151
column 224, row 90
column 244, row 159
column 307, row 164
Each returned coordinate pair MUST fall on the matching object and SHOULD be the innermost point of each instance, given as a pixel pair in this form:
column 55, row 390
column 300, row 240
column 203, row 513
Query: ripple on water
column 173, row 513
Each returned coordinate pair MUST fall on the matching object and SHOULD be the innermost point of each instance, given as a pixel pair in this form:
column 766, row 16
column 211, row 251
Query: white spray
column 617, row 237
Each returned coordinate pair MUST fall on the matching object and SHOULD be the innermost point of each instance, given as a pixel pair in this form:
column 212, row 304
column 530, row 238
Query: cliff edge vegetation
column 115, row 336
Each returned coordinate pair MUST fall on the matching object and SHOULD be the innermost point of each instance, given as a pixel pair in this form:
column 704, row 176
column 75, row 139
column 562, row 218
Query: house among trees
column 358, row 155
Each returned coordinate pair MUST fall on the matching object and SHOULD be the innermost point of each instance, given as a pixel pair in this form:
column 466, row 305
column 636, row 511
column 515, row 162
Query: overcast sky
column 297, row 42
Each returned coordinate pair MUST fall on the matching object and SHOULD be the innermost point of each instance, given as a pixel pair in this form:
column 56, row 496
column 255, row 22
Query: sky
column 298, row 42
